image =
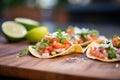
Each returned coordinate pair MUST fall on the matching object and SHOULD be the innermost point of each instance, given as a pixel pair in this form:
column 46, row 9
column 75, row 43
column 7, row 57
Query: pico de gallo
column 107, row 51
column 82, row 35
column 53, row 43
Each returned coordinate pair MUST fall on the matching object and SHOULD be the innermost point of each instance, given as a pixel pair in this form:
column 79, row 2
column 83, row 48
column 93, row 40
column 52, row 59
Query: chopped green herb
column 46, row 41
column 118, row 43
column 84, row 36
column 63, row 40
column 59, row 31
column 112, row 52
column 114, row 36
column 61, row 36
column 34, row 47
column 43, row 45
column 107, row 42
column 94, row 32
column 23, row 52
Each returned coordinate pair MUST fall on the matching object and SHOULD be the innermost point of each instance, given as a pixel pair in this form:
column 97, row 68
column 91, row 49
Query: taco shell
column 100, row 40
column 93, row 44
column 68, row 51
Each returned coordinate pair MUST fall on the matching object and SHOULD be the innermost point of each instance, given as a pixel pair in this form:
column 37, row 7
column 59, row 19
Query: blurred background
column 103, row 15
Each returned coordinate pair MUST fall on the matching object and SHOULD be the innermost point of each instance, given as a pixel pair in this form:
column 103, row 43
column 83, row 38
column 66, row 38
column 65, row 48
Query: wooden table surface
column 72, row 67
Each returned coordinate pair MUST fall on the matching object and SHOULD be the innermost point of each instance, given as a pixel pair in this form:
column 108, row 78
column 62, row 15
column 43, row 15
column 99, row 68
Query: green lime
column 13, row 31
column 36, row 34
column 28, row 23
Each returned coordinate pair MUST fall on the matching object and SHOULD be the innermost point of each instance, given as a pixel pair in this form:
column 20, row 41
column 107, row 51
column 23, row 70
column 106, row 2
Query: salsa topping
column 53, row 43
column 105, row 51
column 82, row 35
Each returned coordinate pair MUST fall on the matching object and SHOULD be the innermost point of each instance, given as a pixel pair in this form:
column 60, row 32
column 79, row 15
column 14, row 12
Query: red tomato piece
column 57, row 45
column 92, row 51
column 47, row 47
column 116, row 42
column 56, row 39
column 97, row 53
column 67, row 42
column 115, row 39
column 101, row 56
column 46, row 51
column 50, row 48
column 41, row 52
column 70, row 31
column 51, row 40
column 66, row 46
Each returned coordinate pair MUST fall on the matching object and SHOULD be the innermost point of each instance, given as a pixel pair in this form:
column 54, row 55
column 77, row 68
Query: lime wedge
column 13, row 31
column 28, row 23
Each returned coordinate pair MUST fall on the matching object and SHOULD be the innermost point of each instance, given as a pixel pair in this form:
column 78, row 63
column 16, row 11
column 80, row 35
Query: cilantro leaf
column 94, row 32
column 43, row 45
column 23, row 52
column 112, row 52
column 61, row 36
column 63, row 40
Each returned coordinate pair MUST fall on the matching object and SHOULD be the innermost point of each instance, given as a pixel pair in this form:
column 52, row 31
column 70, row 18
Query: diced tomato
column 40, row 52
column 97, row 53
column 116, row 42
column 102, row 49
column 67, row 42
column 51, row 40
column 101, row 56
column 94, row 48
column 54, row 43
column 115, row 39
column 56, row 39
column 92, row 51
column 57, row 45
column 46, row 51
column 50, row 48
column 70, row 31
column 47, row 47
column 66, row 46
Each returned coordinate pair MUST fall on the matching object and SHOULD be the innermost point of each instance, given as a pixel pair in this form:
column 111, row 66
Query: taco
column 52, row 45
column 109, row 51
column 84, row 36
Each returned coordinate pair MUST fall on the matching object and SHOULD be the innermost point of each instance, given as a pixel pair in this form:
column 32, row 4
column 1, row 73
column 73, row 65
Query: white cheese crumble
column 45, row 54
column 79, row 31
column 103, row 38
column 76, row 37
column 54, row 35
column 59, row 50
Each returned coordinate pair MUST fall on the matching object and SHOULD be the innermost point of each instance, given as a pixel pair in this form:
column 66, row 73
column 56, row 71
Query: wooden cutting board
column 72, row 67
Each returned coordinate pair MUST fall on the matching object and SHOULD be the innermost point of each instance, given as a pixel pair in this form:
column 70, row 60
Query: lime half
column 13, row 31
column 36, row 34
column 28, row 23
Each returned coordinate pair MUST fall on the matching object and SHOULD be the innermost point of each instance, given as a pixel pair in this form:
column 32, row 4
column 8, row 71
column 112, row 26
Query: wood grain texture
column 72, row 67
